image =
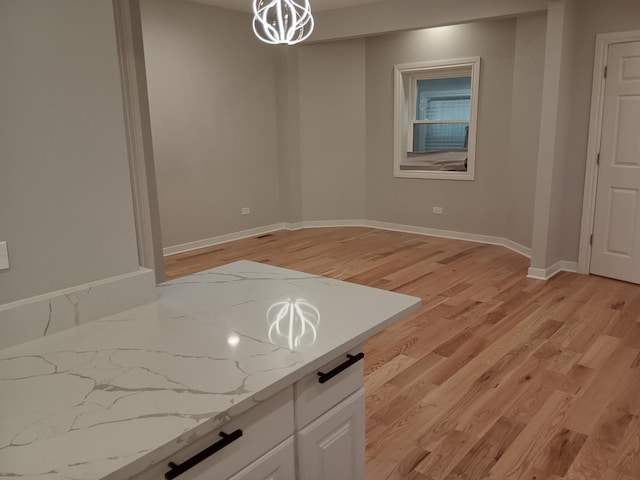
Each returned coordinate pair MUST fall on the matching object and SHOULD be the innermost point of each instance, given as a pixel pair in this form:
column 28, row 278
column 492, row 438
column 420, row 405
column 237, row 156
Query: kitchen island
column 245, row 362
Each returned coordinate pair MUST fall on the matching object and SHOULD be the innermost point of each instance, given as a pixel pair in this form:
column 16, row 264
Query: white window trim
column 403, row 111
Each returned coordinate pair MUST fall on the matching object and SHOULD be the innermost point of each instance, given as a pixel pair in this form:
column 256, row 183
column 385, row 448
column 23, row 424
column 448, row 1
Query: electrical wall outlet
column 438, row 210
column 4, row 256
column 246, row 211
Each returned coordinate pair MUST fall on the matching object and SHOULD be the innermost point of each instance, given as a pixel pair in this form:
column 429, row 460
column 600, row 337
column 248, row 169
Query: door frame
column 603, row 42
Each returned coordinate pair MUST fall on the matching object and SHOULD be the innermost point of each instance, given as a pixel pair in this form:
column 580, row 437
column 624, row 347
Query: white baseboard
column 470, row 237
column 42, row 315
column 516, row 247
column 325, row 224
column 537, row 273
column 254, row 232
column 396, row 227
column 547, row 273
column 210, row 242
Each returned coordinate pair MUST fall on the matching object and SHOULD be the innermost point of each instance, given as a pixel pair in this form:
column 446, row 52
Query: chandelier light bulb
column 282, row 21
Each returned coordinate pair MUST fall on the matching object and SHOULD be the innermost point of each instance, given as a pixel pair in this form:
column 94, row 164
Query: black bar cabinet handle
column 351, row 359
column 199, row 457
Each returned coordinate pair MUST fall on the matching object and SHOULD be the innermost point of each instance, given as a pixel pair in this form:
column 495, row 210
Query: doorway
column 611, row 246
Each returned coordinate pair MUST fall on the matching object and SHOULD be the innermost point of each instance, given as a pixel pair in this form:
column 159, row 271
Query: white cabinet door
column 278, row 464
column 332, row 447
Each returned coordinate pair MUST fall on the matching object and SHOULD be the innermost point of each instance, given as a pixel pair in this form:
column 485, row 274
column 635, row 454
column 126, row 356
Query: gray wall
column 398, row 15
column 332, row 130
column 333, row 126
column 592, row 17
column 212, row 97
column 564, row 127
column 65, row 196
column 289, row 134
column 469, row 206
column 525, row 127
column 552, row 112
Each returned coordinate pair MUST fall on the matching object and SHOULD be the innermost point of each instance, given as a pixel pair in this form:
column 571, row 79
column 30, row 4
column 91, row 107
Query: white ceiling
column 316, row 5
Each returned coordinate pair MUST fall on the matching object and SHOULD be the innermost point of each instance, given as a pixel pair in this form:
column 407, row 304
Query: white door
column 278, row 464
column 332, row 447
column 616, row 233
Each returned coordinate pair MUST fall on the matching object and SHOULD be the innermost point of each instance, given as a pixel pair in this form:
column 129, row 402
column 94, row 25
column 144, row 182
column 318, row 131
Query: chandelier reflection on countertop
column 293, row 323
column 282, row 21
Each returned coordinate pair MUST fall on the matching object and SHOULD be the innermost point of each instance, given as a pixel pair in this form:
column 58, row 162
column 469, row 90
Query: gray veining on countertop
column 111, row 397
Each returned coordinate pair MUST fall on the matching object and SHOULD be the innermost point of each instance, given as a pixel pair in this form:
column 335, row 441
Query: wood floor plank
column 394, row 367
column 597, row 454
column 627, row 460
column 417, row 369
column 450, row 451
column 592, row 401
column 497, row 401
column 389, row 447
column 405, row 468
column 402, row 401
column 487, row 451
column 531, row 399
column 613, row 475
column 537, row 474
column 497, row 376
column 533, row 443
column 560, row 452
column 465, row 353
column 600, row 351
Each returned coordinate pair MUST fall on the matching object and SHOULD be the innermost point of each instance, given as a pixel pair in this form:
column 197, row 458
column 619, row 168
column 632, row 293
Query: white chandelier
column 282, row 21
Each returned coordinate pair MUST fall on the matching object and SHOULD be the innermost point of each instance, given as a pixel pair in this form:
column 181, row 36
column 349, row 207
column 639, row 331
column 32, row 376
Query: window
column 435, row 119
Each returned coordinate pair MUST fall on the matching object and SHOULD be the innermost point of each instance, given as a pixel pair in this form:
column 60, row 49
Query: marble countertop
column 107, row 399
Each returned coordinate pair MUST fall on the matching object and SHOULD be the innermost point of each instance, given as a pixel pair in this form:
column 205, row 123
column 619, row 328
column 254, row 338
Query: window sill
column 451, row 161
column 405, row 172
column 440, row 165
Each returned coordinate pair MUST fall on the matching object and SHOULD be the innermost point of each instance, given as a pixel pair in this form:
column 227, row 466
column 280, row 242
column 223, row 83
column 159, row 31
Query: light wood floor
column 497, row 376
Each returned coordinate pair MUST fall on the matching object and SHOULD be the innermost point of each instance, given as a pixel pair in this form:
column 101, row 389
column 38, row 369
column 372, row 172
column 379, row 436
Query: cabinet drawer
column 313, row 398
column 277, row 464
column 263, row 427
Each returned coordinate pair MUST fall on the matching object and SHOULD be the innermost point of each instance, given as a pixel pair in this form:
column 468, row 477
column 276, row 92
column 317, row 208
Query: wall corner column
column 546, row 239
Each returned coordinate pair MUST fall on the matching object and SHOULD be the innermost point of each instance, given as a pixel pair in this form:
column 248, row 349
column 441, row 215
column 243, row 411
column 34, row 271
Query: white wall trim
column 210, row 242
column 536, row 273
column 516, row 247
column 396, row 227
column 547, row 273
column 603, row 41
column 42, row 315
column 325, row 224
column 403, row 73
column 470, row 237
